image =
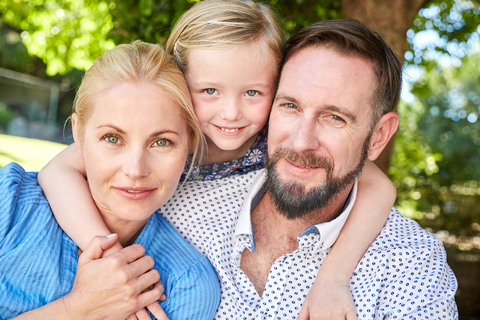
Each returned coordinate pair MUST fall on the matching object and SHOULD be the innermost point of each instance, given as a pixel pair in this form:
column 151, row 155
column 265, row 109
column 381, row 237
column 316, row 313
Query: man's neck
column 275, row 235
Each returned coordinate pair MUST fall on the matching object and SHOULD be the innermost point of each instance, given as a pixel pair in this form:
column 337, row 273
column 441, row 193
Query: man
column 333, row 110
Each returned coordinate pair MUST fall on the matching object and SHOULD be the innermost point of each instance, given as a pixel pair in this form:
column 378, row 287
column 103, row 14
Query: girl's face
column 135, row 145
column 232, row 90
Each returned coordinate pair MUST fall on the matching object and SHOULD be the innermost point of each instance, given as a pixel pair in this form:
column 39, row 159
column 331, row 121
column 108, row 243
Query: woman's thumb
column 96, row 248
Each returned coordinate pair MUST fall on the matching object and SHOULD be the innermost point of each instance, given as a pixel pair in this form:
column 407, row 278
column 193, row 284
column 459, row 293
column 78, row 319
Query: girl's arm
column 330, row 296
column 64, row 185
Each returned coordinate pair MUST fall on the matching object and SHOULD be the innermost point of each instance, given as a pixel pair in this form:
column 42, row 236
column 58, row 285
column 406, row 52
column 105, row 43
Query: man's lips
column 134, row 193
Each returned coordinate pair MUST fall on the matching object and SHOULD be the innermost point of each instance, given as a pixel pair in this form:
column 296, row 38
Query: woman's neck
column 128, row 231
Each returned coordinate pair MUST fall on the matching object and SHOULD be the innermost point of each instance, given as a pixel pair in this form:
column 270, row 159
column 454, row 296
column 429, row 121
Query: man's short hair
column 352, row 38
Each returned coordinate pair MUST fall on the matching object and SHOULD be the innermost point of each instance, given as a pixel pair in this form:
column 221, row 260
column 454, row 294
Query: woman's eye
column 210, row 91
column 162, row 143
column 112, row 139
column 252, row 93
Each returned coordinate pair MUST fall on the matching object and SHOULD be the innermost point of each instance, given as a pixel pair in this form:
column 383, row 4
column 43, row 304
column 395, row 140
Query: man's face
column 319, row 129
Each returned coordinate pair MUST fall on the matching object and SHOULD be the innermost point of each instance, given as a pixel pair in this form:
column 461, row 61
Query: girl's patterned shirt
column 253, row 160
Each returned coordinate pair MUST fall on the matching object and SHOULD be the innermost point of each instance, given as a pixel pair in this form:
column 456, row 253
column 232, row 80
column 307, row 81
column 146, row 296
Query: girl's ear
column 384, row 130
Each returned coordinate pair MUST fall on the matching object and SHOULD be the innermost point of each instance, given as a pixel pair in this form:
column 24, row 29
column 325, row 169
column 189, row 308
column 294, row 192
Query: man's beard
column 291, row 198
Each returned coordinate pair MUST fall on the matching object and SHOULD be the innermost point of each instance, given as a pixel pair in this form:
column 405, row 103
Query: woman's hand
column 328, row 300
column 113, row 287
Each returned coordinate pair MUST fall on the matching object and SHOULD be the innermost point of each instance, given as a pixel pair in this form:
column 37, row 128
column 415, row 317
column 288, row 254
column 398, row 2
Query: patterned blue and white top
column 403, row 275
column 38, row 261
column 253, row 160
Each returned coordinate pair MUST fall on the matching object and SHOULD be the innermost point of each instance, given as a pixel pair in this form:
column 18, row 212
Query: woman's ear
column 75, row 129
column 384, row 130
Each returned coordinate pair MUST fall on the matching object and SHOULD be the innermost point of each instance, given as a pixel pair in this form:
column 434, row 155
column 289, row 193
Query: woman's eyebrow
column 154, row 134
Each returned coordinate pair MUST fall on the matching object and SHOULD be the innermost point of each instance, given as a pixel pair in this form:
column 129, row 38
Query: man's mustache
column 307, row 159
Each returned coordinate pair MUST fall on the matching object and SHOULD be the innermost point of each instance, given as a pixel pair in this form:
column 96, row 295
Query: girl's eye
column 252, row 93
column 210, row 91
column 112, row 139
column 162, row 142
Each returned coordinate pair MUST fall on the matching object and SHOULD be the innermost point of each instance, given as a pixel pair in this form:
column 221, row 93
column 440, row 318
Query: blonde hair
column 212, row 24
column 134, row 63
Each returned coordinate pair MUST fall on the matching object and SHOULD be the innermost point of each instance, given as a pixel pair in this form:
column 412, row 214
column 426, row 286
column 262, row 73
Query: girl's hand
column 328, row 300
column 154, row 308
column 112, row 287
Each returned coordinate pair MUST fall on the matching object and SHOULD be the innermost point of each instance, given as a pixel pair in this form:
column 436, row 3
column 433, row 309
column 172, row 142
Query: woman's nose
column 136, row 165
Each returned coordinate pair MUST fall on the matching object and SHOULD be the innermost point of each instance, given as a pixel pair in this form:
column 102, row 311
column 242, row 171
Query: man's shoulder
column 404, row 273
column 402, row 232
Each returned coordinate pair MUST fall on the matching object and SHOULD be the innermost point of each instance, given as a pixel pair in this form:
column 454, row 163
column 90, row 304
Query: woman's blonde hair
column 214, row 24
column 135, row 63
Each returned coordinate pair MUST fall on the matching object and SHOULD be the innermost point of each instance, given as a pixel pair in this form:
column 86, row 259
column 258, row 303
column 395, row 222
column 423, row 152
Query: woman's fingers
column 141, row 265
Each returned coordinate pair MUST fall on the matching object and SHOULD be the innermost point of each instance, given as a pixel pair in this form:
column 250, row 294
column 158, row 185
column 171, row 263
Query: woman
column 134, row 157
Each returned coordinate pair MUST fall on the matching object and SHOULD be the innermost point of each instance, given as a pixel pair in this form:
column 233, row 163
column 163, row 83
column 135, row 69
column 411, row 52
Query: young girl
column 229, row 52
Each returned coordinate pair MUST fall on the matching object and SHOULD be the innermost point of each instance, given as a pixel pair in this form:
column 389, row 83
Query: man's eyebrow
column 155, row 134
column 287, row 98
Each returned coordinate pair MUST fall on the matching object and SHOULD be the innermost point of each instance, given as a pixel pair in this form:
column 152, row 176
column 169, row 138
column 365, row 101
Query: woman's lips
column 134, row 193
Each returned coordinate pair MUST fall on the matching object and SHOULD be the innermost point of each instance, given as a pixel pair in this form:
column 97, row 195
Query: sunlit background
column 45, row 46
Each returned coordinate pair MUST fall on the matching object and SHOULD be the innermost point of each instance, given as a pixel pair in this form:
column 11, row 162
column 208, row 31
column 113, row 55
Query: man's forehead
column 325, row 75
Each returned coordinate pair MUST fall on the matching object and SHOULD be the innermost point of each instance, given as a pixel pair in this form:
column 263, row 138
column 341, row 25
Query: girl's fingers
column 142, row 314
column 157, row 311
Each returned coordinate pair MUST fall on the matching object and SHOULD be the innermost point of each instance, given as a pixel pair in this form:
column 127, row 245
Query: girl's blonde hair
column 135, row 63
column 214, row 24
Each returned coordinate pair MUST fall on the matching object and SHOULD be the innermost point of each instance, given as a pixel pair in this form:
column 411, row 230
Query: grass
column 31, row 154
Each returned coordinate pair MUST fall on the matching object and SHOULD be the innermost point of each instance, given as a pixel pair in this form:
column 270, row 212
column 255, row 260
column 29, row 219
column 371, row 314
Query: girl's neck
column 216, row 155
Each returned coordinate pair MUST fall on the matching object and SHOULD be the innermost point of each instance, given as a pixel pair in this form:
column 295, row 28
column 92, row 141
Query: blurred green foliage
column 436, row 165
column 68, row 34
column 6, row 115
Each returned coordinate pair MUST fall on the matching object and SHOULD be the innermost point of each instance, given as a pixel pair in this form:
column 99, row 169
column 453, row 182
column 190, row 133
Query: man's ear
column 75, row 129
column 384, row 130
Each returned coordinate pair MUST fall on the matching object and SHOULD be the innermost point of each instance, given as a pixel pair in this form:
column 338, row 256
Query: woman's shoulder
column 16, row 182
column 22, row 202
column 174, row 253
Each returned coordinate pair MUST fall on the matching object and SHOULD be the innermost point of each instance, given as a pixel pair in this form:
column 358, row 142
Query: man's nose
column 231, row 110
column 136, row 165
column 305, row 137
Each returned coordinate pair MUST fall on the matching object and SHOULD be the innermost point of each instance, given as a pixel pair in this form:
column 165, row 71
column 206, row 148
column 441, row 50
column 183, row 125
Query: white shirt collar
column 328, row 231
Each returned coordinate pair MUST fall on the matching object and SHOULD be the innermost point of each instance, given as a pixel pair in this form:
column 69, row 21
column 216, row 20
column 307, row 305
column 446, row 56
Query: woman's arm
column 330, row 297
column 64, row 185
column 106, row 288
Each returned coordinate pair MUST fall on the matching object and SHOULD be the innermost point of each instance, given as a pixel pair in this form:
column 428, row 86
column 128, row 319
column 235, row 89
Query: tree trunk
column 391, row 19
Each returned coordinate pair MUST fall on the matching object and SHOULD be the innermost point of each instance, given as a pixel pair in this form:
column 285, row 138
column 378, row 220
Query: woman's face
column 134, row 147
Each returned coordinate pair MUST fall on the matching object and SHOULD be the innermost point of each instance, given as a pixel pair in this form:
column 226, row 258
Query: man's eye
column 112, row 139
column 252, row 93
column 210, row 91
column 336, row 118
column 290, row 106
column 162, row 142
